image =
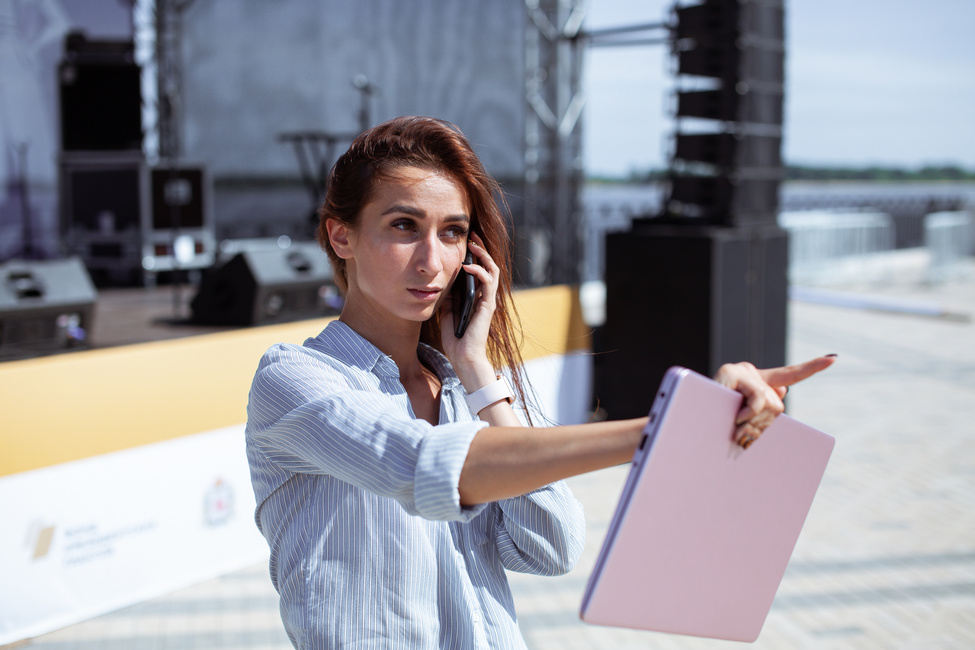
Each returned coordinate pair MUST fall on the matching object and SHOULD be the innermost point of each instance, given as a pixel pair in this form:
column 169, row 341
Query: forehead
column 418, row 184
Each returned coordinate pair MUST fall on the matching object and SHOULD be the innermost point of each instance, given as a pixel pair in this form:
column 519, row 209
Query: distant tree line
column 812, row 173
column 927, row 173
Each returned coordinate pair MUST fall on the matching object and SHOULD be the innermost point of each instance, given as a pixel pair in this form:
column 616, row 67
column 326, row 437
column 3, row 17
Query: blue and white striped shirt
column 358, row 500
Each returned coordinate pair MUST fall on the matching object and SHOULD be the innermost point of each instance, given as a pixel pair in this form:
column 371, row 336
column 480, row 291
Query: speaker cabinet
column 267, row 285
column 45, row 307
column 100, row 95
column 101, row 106
column 691, row 296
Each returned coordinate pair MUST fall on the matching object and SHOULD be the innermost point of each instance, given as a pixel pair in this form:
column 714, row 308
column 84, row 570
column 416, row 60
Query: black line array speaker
column 267, row 285
column 705, row 282
column 691, row 296
column 727, row 169
column 45, row 307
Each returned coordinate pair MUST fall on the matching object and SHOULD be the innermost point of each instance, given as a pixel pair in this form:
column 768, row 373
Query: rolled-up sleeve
column 307, row 415
column 542, row 532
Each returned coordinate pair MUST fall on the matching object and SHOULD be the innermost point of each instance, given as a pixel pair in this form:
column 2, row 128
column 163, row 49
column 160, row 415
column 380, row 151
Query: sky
column 885, row 82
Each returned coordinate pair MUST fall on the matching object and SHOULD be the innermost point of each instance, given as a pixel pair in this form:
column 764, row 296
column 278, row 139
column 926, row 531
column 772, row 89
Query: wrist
column 497, row 391
column 476, row 375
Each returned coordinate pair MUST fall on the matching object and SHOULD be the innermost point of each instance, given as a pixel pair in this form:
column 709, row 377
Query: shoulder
column 293, row 377
column 286, row 363
column 336, row 347
column 322, row 364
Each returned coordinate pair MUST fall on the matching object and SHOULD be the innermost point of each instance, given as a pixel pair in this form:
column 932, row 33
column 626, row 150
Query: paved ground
column 887, row 555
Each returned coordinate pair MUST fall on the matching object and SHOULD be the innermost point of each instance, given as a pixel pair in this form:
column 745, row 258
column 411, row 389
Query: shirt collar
column 344, row 343
column 440, row 365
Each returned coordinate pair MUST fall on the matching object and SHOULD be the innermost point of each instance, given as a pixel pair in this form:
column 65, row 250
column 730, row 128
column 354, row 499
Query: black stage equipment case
column 127, row 220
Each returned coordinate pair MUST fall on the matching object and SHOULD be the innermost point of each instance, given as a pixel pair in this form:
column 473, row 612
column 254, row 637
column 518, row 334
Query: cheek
column 386, row 261
column 457, row 255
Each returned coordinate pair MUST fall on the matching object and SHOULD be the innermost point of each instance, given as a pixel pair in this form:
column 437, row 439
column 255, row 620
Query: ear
column 339, row 235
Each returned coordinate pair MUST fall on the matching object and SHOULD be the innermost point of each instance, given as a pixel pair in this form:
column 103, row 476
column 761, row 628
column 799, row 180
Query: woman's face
column 408, row 245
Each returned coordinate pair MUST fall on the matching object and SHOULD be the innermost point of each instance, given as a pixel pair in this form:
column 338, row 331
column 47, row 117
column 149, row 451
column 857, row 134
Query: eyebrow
column 420, row 214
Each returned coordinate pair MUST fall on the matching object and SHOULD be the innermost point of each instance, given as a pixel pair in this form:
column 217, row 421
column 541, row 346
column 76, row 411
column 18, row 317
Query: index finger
column 789, row 375
column 481, row 255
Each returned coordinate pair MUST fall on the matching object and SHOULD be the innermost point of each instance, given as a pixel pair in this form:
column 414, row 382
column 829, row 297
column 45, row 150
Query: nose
column 429, row 255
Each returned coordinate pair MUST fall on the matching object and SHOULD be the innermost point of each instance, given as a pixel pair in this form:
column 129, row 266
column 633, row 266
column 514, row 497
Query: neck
column 399, row 339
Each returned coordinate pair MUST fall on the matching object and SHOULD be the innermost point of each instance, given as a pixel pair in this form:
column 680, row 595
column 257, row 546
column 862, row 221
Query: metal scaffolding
column 552, row 228
column 169, row 71
column 555, row 44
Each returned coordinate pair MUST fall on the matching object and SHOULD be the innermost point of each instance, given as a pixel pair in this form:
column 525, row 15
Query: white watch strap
column 490, row 394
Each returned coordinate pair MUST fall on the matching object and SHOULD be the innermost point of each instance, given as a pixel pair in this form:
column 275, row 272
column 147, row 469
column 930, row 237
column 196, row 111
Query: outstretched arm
column 506, row 460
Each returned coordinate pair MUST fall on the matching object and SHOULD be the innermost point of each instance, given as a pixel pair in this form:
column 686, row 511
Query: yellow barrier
column 73, row 406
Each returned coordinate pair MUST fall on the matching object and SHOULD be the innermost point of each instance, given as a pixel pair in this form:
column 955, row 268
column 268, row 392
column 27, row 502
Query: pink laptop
column 704, row 529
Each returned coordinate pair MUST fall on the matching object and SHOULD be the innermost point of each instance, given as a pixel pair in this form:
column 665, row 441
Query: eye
column 404, row 224
column 456, row 232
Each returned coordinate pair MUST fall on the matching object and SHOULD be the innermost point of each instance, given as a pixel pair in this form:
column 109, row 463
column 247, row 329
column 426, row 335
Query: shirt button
column 477, row 618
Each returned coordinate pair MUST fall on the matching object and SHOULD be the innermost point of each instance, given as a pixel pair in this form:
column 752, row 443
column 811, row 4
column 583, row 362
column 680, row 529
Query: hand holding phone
column 464, row 292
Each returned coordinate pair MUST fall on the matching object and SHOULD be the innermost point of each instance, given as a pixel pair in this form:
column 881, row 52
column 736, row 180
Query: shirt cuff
column 443, row 451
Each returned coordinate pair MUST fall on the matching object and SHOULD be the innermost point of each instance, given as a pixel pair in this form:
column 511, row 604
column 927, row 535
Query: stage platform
column 141, row 314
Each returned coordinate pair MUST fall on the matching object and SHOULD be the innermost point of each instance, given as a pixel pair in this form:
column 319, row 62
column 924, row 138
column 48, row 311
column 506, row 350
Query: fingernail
column 832, row 355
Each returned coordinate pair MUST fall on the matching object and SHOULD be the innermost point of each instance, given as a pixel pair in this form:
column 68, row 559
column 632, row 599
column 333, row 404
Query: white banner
column 90, row 536
column 562, row 387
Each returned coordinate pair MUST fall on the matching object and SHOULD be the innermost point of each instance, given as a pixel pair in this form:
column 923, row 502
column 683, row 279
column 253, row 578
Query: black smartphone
column 464, row 293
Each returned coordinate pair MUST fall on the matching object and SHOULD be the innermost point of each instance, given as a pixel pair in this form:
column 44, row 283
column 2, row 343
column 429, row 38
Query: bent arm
column 310, row 414
column 542, row 532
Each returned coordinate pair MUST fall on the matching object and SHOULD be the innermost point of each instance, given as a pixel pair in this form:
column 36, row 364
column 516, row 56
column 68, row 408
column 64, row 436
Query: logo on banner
column 39, row 539
column 218, row 503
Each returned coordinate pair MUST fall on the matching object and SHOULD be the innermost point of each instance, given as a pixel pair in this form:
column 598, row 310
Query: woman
column 394, row 482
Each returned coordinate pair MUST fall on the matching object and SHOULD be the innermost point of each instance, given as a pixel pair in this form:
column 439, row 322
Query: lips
column 426, row 293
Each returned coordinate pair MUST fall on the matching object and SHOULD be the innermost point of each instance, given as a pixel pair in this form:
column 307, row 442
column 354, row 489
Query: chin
column 418, row 317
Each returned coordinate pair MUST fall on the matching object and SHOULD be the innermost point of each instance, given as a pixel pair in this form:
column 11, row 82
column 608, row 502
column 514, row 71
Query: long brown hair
column 433, row 144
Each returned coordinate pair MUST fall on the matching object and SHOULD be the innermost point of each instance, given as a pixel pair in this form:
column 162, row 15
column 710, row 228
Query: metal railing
column 834, row 237
column 950, row 240
column 831, row 246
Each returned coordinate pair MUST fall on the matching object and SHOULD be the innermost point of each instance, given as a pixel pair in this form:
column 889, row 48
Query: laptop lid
column 704, row 529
